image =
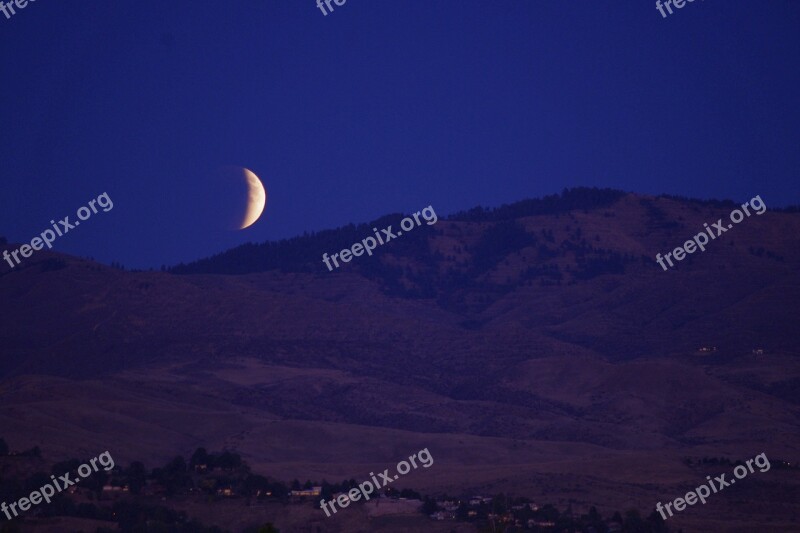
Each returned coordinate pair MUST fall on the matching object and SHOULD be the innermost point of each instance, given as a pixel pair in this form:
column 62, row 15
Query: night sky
column 381, row 106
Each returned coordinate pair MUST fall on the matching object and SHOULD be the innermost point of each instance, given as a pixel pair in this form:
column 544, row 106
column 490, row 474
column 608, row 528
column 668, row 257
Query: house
column 707, row 349
column 310, row 493
column 532, row 523
column 115, row 490
column 758, row 351
column 449, row 505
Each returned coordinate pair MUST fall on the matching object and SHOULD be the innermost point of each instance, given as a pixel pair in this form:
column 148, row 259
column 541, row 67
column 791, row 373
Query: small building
column 306, row 493
column 115, row 491
column 535, row 523
column 449, row 505
column 227, row 492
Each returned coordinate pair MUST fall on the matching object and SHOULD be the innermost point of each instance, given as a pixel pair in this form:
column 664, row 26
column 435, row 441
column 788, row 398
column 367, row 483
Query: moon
column 256, row 199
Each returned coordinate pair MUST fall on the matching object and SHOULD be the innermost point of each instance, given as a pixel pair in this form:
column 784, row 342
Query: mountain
column 536, row 348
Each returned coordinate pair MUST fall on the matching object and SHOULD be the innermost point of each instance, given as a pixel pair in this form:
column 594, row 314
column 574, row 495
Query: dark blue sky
column 381, row 106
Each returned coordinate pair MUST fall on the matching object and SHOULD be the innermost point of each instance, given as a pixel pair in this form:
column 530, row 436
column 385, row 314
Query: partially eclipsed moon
column 256, row 199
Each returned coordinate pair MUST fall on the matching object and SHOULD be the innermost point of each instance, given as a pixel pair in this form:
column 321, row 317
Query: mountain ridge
column 553, row 332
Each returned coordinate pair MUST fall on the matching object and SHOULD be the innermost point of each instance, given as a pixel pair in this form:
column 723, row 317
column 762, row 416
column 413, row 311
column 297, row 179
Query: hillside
column 538, row 341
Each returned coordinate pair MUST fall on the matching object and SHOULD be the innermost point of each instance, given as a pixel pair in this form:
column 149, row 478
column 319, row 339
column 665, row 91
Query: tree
column 429, row 506
column 634, row 522
column 176, row 466
column 9, row 528
column 3, row 447
column 199, row 457
column 254, row 483
column 173, row 476
column 33, row 452
column 550, row 513
column 657, row 524
column 410, row 494
column 137, row 477
column 594, row 518
column 70, row 465
column 37, row 480
column 228, row 460
column 268, row 528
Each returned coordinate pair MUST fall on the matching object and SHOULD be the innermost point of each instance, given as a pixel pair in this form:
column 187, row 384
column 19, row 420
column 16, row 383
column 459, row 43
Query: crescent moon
column 256, row 199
